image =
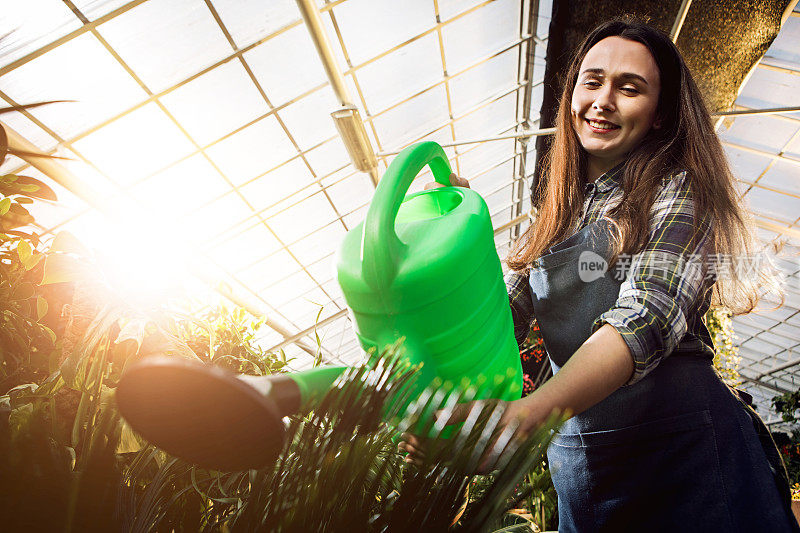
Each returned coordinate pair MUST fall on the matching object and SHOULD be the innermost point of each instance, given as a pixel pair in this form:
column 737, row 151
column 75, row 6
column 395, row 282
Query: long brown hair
column 686, row 140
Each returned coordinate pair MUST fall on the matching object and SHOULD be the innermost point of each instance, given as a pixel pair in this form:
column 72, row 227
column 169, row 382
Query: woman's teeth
column 602, row 125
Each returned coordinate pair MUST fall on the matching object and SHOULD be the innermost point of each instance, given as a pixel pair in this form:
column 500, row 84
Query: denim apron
column 675, row 451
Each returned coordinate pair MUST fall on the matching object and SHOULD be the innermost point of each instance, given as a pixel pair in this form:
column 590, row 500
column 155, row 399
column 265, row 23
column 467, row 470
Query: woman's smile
column 603, row 127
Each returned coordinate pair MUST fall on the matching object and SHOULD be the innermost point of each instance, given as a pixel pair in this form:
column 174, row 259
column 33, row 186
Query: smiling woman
column 636, row 179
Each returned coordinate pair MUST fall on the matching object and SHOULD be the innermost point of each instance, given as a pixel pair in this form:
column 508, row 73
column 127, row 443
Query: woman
column 617, row 271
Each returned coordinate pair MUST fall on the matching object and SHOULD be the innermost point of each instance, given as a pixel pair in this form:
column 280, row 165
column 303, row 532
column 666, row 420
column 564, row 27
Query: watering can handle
column 382, row 248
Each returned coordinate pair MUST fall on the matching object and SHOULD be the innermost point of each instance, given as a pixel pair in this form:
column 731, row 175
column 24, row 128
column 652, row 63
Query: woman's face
column 614, row 101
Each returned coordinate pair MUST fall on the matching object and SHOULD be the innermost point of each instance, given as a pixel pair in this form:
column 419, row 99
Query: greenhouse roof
column 198, row 138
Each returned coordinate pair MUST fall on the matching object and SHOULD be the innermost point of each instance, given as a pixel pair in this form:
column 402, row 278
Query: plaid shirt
column 665, row 292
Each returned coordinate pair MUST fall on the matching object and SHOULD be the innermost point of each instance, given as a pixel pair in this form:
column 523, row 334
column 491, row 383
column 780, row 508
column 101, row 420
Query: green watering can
column 423, row 267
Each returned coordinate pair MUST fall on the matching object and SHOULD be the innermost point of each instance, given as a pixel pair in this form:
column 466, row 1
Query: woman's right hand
column 413, row 447
column 454, row 180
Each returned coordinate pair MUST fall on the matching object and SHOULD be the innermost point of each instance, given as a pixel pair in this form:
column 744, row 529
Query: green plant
column 726, row 354
column 228, row 338
column 27, row 344
column 786, row 405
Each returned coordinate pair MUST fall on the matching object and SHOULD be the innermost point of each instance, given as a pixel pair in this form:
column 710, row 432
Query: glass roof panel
column 304, row 308
column 268, row 270
column 450, row 8
column 250, row 20
column 276, row 70
column 215, row 217
column 784, row 48
column 768, row 88
column 484, row 81
column 166, row 41
column 81, row 70
column 488, row 120
column 746, row 165
column 783, row 176
column 318, row 245
column 372, row 26
column 328, row 157
column 324, row 270
column 762, row 132
column 181, row 188
column 277, row 185
column 308, row 120
column 402, row 73
column 246, row 248
column 350, row 193
column 793, row 149
column 355, row 217
column 484, row 155
column 31, row 25
column 303, row 218
column 772, row 204
column 94, row 9
column 480, row 33
column 411, row 119
column 216, row 103
column 497, row 174
column 288, row 288
column 135, row 145
column 252, row 151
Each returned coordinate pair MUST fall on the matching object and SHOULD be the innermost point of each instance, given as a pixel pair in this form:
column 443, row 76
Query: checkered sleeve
column 664, row 281
column 519, row 296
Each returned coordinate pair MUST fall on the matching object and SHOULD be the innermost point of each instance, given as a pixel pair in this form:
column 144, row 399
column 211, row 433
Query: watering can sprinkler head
column 207, row 415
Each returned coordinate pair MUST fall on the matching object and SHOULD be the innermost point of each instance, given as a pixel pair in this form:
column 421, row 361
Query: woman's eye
column 629, row 90
column 591, row 83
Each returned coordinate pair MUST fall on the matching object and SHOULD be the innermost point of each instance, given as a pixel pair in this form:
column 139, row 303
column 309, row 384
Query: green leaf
column 27, row 186
column 32, row 261
column 41, row 308
column 5, row 205
column 24, row 251
column 23, row 291
column 129, row 441
column 61, row 268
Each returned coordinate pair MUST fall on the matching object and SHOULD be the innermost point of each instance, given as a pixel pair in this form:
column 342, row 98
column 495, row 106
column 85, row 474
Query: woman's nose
column 603, row 100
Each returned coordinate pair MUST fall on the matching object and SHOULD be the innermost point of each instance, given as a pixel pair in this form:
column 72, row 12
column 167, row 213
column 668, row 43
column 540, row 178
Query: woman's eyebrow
column 626, row 75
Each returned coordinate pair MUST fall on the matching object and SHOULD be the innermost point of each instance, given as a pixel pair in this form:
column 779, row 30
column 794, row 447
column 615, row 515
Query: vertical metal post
column 347, row 118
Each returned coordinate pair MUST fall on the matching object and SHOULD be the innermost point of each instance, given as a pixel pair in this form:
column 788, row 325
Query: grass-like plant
column 339, row 469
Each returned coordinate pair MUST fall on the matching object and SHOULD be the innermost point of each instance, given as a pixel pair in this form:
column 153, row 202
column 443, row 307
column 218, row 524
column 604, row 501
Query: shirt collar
column 610, row 179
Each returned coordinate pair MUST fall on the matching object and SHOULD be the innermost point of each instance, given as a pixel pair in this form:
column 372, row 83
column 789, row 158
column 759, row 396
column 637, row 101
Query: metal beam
column 777, row 228
column 784, row 366
column 762, row 384
column 519, row 135
column 679, row 20
column 347, row 118
column 767, row 111
column 526, row 67
column 526, row 134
